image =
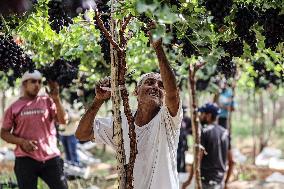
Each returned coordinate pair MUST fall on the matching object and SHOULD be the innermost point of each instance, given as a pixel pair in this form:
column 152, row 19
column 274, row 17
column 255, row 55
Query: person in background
column 226, row 104
column 185, row 130
column 67, row 135
column 29, row 123
column 216, row 153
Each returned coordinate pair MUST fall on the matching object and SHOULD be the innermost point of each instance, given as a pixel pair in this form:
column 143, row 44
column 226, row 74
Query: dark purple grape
column 104, row 9
column 62, row 71
column 13, row 58
column 188, row 48
column 58, row 17
column 219, row 9
column 227, row 67
column 234, row 47
column 273, row 27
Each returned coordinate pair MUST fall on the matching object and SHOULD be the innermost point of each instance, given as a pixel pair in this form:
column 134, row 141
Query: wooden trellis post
column 118, row 43
column 194, row 122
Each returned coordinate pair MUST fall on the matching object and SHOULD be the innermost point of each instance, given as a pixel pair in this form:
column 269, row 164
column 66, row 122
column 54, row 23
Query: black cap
column 210, row 108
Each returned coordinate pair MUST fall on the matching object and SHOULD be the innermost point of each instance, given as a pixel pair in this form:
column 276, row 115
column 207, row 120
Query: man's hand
column 155, row 43
column 54, row 90
column 102, row 89
column 29, row 145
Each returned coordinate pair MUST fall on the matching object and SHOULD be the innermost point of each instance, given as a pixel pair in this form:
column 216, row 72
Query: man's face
column 205, row 118
column 151, row 91
column 32, row 86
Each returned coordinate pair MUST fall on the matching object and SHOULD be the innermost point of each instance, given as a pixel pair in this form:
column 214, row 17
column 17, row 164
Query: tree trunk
column 255, row 114
column 262, row 123
column 130, row 118
column 275, row 114
column 195, row 129
column 116, row 103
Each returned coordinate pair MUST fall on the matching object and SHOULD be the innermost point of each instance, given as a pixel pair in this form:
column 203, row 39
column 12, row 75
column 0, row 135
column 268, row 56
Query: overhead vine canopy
column 233, row 37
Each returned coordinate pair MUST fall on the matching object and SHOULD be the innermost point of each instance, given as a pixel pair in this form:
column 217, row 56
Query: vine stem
column 5, row 23
column 187, row 39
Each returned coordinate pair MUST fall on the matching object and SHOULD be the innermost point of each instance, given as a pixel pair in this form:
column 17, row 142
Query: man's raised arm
column 84, row 131
column 168, row 78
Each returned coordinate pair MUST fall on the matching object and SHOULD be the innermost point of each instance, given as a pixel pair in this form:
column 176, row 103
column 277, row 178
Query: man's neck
column 29, row 97
column 211, row 123
column 145, row 114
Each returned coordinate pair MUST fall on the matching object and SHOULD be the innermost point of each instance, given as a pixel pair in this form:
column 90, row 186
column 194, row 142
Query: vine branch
column 126, row 22
column 104, row 30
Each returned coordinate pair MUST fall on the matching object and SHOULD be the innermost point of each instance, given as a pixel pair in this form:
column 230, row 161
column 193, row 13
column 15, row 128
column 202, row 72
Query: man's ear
column 25, row 83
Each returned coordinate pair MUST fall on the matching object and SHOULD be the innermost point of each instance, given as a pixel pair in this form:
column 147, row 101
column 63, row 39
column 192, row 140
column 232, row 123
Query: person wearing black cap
column 216, row 150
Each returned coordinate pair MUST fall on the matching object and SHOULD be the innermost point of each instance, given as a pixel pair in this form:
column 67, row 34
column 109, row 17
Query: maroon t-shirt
column 34, row 120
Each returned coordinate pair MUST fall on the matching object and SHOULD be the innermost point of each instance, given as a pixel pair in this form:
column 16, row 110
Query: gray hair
column 146, row 76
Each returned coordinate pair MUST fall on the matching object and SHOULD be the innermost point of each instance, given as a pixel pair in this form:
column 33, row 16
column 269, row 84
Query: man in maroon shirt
column 29, row 124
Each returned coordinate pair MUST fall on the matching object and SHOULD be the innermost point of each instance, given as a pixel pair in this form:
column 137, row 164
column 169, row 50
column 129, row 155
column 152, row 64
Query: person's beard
column 203, row 122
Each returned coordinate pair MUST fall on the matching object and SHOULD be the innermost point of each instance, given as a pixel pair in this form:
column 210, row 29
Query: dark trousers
column 181, row 167
column 28, row 170
column 213, row 186
column 70, row 148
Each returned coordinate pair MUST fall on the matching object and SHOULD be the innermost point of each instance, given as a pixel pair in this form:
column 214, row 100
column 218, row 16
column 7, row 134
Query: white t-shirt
column 155, row 164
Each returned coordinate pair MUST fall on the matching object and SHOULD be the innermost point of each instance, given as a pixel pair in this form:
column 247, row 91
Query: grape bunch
column 251, row 41
column 104, row 9
column 62, row 71
column 188, row 48
column 219, row 9
column 11, row 22
column 234, row 47
column 58, row 16
column 264, row 76
column 273, row 26
column 146, row 20
column 2, row 26
column 76, row 7
column 12, row 57
column 171, row 3
column 202, row 84
column 245, row 18
column 226, row 66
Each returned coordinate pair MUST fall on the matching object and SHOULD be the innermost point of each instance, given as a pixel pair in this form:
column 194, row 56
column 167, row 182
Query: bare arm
column 61, row 116
column 9, row 137
column 84, row 131
column 168, row 78
column 26, row 145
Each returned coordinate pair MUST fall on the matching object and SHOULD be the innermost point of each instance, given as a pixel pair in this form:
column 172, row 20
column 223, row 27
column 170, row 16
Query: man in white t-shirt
column 157, row 123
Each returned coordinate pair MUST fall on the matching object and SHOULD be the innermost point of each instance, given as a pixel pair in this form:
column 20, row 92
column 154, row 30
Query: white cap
column 148, row 75
column 29, row 75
